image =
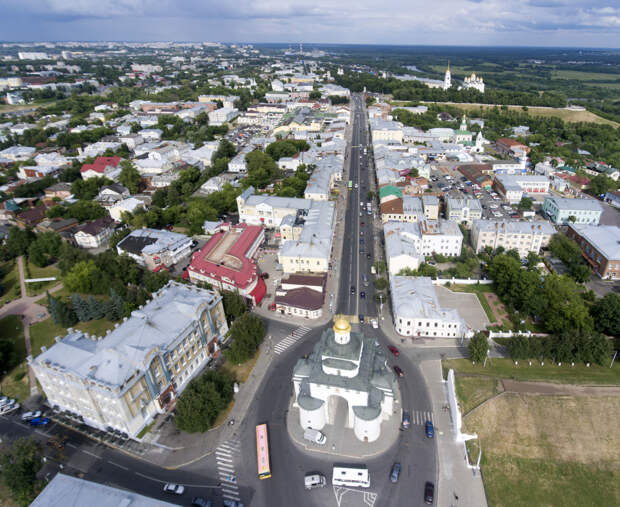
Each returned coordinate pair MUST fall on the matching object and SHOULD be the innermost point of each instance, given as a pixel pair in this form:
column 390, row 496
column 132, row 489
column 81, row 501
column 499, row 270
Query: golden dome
column 341, row 325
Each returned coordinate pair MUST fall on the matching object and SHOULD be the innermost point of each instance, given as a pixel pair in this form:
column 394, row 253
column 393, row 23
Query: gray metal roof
column 564, row 203
column 605, row 238
column 514, row 226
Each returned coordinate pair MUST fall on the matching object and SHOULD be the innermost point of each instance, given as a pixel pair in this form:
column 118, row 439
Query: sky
column 568, row 23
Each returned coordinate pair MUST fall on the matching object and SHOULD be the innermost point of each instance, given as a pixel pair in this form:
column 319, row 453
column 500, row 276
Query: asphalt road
column 413, row 450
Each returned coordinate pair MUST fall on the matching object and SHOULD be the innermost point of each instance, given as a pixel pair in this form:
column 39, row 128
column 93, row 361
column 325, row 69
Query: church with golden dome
column 345, row 366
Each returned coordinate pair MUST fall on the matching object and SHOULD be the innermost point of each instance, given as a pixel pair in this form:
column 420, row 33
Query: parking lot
column 466, row 304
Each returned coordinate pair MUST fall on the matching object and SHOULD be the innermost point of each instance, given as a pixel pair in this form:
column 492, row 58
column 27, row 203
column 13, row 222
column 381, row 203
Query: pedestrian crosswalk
column 292, row 338
column 225, row 456
column 421, row 416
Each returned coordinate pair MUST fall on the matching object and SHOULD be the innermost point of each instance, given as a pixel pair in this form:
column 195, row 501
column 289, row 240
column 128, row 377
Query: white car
column 497, row 214
column 375, row 324
column 28, row 416
column 9, row 407
column 493, row 206
column 175, row 489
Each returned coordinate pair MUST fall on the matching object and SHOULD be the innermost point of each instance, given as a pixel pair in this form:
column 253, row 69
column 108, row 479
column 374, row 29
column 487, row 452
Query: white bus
column 353, row 476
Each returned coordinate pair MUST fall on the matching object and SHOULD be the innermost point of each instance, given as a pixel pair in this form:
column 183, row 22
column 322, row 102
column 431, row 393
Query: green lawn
column 34, row 289
column 10, row 282
column 11, row 328
column 565, row 374
column 479, row 290
column 44, row 333
column 472, row 391
column 512, row 481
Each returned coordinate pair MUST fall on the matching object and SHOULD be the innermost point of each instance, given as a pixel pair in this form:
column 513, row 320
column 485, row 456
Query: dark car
column 395, row 472
column 363, row 223
column 406, row 419
column 264, row 276
column 198, row 501
column 430, row 431
column 393, row 350
column 361, row 318
column 39, row 421
column 352, row 289
column 429, row 493
column 368, row 256
column 361, row 241
column 399, row 371
column 363, row 295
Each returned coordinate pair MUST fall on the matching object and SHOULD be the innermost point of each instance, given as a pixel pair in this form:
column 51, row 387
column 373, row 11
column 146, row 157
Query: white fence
column 461, row 281
column 510, row 334
column 35, row 280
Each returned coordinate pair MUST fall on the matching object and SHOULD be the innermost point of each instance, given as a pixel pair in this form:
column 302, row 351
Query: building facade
column 600, row 246
column 522, row 236
column 136, row 371
column 562, row 211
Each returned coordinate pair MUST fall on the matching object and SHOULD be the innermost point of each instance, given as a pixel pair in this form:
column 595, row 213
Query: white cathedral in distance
column 473, row 81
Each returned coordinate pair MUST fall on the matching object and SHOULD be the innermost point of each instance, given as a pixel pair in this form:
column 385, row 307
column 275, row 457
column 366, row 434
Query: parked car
column 174, row 489
column 39, row 421
column 27, row 416
column 399, row 371
column 363, row 295
column 429, row 493
column 395, row 472
column 375, row 324
column 430, row 431
column 198, row 501
column 9, row 407
column 393, row 350
column 361, row 318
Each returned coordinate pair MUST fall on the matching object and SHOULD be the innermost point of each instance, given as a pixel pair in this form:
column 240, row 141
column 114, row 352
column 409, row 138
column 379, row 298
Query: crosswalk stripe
column 231, row 488
column 228, row 468
column 232, row 497
column 289, row 340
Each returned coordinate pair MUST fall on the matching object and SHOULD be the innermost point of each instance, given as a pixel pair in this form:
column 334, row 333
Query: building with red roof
column 102, row 166
column 226, row 261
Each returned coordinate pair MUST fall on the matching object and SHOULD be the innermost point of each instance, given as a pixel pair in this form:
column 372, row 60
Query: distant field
column 584, row 76
column 567, row 115
column 548, row 450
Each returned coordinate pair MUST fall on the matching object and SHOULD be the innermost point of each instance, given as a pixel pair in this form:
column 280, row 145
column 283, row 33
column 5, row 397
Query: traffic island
column 346, row 390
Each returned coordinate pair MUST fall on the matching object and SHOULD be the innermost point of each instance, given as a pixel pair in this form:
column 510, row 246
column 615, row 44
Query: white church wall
column 315, row 419
column 367, row 430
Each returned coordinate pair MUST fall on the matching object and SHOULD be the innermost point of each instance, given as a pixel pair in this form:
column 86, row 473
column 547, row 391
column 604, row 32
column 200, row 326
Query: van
column 315, row 436
column 312, row 481
column 365, row 279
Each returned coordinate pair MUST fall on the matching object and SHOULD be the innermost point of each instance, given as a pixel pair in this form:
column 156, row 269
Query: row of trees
column 247, row 333
column 569, row 253
column 570, row 346
column 81, row 309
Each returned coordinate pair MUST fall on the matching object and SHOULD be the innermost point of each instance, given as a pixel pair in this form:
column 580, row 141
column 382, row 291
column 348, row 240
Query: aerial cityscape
column 369, row 271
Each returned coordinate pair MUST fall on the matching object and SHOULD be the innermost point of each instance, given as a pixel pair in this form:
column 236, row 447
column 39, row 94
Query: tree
column 80, row 307
column 18, row 241
column 478, row 347
column 234, row 305
column 247, row 333
column 526, row 203
column 379, row 266
column 85, row 277
column 20, row 466
column 564, row 309
column 96, row 309
column 381, row 283
column 315, row 95
column 115, row 308
column 61, row 313
column 606, row 314
column 519, row 347
column 130, row 177
column 202, row 401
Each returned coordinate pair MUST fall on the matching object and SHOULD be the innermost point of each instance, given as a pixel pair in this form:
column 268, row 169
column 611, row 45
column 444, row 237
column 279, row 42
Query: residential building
column 301, row 296
column 512, row 187
column 477, row 174
column 600, row 245
column 268, row 210
column 407, row 244
column 327, row 172
column 613, row 198
column 561, row 209
column 95, row 233
column 310, row 249
column 102, row 166
column 61, row 190
column 431, row 207
column 386, row 130
column 227, row 261
column 508, row 146
column 126, row 205
column 111, row 194
column 345, row 364
column 76, row 491
column 417, row 311
column 155, row 248
column 124, row 379
column 463, row 210
column 525, row 237
column 223, row 115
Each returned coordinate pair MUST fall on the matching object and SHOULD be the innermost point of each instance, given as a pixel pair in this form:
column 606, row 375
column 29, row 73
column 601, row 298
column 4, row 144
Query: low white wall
column 462, row 281
column 510, row 334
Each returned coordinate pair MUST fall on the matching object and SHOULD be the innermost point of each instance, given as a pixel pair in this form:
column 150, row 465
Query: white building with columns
column 347, row 365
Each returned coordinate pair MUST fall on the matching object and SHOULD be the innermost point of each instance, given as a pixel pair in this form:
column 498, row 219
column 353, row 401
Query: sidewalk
column 455, row 476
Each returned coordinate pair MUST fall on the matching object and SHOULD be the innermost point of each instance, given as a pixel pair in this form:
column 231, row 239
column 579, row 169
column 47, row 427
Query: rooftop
column 605, row 238
column 152, row 241
column 564, row 203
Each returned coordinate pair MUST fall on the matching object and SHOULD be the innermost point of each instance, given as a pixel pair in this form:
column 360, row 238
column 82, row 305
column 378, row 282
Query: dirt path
column 497, row 307
column 515, row 386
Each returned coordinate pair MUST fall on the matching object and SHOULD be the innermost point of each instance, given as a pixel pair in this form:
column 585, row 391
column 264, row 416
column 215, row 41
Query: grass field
column 577, row 75
column 34, row 289
column 44, row 333
column 567, row 115
column 565, row 374
column 549, row 450
column 472, row 391
column 10, row 282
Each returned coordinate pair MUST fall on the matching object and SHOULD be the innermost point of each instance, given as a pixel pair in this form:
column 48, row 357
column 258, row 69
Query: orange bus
column 262, row 452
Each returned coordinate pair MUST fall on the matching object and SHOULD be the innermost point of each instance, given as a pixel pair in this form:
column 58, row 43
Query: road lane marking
column 117, row 465
column 90, row 454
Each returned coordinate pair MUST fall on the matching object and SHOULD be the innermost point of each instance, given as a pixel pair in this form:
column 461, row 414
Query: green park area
column 13, row 378
column 10, row 282
column 540, row 449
